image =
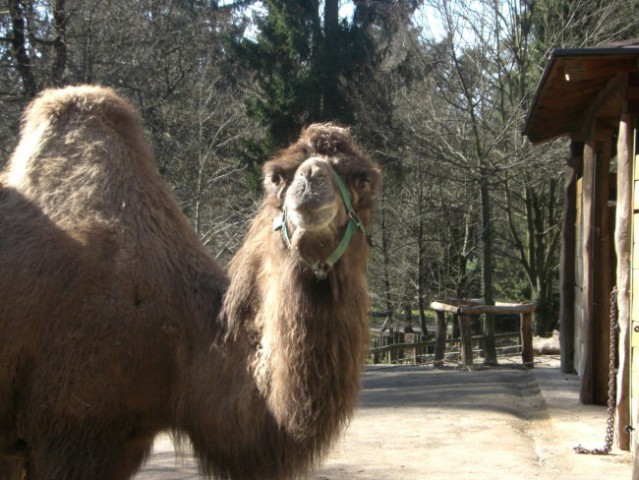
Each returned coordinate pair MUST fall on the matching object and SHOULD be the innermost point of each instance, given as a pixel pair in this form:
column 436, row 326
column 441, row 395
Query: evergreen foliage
column 222, row 84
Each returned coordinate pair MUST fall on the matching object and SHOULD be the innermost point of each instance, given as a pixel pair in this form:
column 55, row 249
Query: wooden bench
column 464, row 311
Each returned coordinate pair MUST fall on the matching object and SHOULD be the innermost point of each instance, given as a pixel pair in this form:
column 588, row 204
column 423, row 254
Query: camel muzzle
column 321, row 269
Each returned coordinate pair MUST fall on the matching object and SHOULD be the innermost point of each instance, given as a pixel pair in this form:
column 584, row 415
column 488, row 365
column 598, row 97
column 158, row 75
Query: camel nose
column 312, row 171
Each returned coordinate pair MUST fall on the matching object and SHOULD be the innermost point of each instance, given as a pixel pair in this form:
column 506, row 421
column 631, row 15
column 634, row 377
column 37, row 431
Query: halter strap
column 321, row 270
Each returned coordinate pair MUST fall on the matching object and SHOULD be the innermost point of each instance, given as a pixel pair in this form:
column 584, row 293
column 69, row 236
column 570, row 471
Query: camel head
column 323, row 188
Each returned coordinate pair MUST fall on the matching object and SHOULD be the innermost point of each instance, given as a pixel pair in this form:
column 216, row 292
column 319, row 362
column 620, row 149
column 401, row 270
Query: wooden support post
column 625, row 157
column 567, row 262
column 488, row 348
column 585, row 346
column 376, row 343
column 466, row 334
column 411, row 354
column 388, row 355
column 525, row 329
column 603, row 268
column 440, row 339
column 395, row 354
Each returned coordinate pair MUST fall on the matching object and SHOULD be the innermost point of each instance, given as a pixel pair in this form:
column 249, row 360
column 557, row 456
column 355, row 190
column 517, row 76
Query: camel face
column 320, row 193
column 313, row 201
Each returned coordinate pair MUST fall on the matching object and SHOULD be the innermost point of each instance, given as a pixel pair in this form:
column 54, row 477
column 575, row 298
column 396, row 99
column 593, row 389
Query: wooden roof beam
column 617, row 84
column 579, row 69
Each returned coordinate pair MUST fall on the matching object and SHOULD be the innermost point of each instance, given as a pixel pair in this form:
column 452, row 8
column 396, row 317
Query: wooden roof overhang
column 577, row 85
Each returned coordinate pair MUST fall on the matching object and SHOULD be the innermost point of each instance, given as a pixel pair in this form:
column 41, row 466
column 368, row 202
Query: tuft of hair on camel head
column 327, row 139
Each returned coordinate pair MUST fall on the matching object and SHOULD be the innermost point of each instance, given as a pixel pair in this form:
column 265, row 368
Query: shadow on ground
column 416, row 423
column 454, row 388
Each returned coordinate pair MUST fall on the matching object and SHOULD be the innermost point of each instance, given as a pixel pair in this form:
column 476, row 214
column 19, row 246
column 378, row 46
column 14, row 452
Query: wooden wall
column 568, row 261
column 594, row 268
column 623, row 249
column 634, row 314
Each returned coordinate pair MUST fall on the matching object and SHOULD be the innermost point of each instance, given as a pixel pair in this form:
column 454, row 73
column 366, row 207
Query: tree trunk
column 329, row 84
column 421, row 252
column 386, row 260
column 408, row 318
column 490, row 354
column 19, row 45
column 59, row 43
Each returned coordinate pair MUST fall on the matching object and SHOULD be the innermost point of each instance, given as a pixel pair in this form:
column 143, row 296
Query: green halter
column 321, row 270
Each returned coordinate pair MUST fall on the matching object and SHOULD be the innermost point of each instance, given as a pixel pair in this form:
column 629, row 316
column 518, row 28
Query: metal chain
column 610, row 427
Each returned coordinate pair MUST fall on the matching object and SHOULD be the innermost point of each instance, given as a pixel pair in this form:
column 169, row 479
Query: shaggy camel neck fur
column 116, row 324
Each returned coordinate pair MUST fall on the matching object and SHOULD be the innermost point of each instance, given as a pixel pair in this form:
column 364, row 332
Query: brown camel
column 115, row 323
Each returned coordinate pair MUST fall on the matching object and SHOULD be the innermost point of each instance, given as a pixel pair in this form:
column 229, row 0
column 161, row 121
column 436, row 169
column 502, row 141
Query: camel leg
column 11, row 468
column 100, row 458
column 13, row 455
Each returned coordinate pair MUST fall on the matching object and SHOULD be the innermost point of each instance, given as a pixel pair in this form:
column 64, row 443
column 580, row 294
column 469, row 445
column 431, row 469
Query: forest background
column 436, row 91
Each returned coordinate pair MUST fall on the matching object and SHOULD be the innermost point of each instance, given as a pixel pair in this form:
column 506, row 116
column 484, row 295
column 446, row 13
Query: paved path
column 416, row 423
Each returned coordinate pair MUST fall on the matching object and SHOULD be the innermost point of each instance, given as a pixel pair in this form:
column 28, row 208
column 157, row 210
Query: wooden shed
column 591, row 95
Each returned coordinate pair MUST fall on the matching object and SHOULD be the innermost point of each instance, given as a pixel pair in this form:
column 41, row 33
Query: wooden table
column 465, row 310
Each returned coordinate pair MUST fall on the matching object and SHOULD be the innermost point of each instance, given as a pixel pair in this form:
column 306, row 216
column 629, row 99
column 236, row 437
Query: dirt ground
column 416, row 423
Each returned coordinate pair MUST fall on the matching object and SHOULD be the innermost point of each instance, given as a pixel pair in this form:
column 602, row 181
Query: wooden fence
column 410, row 348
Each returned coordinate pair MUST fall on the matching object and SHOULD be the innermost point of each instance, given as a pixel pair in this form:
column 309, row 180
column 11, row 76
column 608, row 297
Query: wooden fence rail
column 464, row 312
column 398, row 351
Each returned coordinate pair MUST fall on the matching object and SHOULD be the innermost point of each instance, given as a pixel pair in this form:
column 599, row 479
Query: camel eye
column 276, row 178
column 361, row 182
column 275, row 181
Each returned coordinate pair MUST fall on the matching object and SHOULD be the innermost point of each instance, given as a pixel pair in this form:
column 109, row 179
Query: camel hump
column 81, row 103
column 73, row 131
column 79, row 149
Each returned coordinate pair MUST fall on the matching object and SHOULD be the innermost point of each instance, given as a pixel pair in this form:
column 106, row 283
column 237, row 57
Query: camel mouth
column 312, row 216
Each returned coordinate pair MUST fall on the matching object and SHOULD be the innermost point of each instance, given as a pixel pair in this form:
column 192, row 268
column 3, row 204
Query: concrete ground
column 416, row 423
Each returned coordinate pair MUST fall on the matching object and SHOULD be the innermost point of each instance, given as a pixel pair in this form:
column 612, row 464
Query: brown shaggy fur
column 115, row 324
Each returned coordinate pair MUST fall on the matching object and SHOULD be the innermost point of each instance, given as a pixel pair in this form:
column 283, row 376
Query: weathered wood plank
column 612, row 90
column 603, row 268
column 625, row 156
column 478, row 309
column 580, row 69
column 465, row 322
column 568, row 259
column 440, row 338
column 634, row 322
column 513, row 308
column 444, row 307
column 432, row 343
column 584, row 334
column 527, row 355
column 634, row 406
